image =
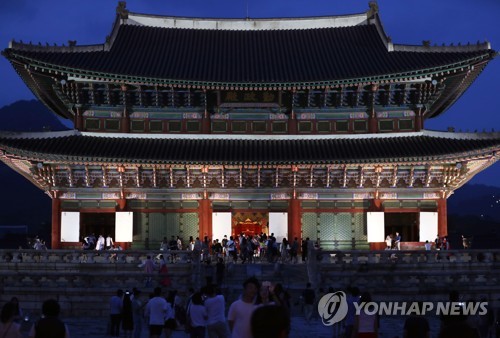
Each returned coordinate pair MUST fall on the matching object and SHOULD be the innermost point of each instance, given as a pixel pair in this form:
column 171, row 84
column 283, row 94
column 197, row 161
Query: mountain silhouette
column 29, row 116
column 22, row 203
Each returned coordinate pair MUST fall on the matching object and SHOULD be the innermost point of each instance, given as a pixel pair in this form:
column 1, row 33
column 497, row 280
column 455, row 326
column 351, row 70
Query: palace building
column 305, row 127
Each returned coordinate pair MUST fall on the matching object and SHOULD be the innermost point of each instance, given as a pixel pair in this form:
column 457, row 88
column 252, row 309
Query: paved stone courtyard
column 391, row 327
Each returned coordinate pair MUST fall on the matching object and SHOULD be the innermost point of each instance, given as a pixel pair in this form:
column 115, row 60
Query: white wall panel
column 278, row 224
column 70, row 226
column 221, row 225
column 375, row 227
column 124, row 222
column 428, row 226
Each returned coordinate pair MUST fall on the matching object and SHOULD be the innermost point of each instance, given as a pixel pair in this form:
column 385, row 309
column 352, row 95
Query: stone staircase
column 84, row 285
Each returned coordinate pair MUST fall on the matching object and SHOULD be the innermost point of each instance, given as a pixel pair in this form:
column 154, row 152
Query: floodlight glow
column 221, row 225
column 70, row 226
column 428, row 226
column 124, row 226
column 375, row 227
column 278, row 224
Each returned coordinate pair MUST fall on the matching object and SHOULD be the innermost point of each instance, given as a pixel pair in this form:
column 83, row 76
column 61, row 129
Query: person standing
column 170, row 322
column 197, row 315
column 49, row 325
column 427, row 246
column 240, row 311
column 100, row 243
column 366, row 323
column 149, row 267
column 156, row 311
column 115, row 312
column 397, row 241
column 388, row 242
column 127, row 315
column 231, row 249
column 8, row 327
column 165, row 279
column 417, row 326
column 216, row 319
column 137, row 314
column 109, row 242
column 294, row 249
column 304, row 248
column 308, row 297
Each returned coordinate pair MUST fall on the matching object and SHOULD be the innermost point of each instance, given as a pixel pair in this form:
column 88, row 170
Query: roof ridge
column 288, row 23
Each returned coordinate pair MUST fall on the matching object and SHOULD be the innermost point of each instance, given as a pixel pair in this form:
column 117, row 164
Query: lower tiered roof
column 81, row 147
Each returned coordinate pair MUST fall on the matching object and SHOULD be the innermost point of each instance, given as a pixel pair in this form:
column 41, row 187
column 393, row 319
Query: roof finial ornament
column 426, row 43
column 373, row 8
column 71, row 43
column 121, row 10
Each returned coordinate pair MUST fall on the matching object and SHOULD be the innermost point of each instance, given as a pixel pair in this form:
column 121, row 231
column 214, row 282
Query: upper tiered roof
column 243, row 54
column 249, row 52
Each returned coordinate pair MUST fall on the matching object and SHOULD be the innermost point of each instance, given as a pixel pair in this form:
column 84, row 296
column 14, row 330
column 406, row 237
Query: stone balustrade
column 353, row 257
column 406, row 257
column 80, row 279
column 89, row 256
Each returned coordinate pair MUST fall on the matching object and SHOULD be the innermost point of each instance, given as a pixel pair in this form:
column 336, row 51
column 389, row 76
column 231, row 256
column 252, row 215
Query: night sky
column 407, row 22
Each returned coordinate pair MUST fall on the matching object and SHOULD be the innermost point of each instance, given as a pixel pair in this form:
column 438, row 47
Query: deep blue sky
column 407, row 22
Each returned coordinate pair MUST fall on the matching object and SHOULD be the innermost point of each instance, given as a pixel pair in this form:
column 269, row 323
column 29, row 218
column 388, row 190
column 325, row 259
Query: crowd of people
column 262, row 310
column 49, row 325
column 93, row 242
column 242, row 248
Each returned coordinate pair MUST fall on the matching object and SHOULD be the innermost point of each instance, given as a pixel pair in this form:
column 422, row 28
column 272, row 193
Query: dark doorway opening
column 406, row 223
column 98, row 224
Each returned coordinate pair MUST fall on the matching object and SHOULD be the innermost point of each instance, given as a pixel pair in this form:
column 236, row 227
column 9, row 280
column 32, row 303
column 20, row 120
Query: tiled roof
column 247, row 56
column 213, row 149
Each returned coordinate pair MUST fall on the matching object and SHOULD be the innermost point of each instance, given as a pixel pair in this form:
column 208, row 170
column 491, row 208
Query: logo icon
column 332, row 308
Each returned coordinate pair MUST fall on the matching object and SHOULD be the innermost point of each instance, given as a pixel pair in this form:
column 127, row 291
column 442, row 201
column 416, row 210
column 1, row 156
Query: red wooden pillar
column 125, row 122
column 376, row 205
column 292, row 124
column 205, row 218
column 56, row 223
column 205, row 124
column 78, row 119
column 442, row 217
column 372, row 122
column 121, row 204
column 294, row 220
column 418, row 121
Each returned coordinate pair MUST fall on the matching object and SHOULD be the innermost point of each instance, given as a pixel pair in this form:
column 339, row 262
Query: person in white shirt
column 100, row 243
column 241, row 310
column 231, row 249
column 427, row 246
column 109, row 242
column 216, row 318
column 156, row 311
column 197, row 316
